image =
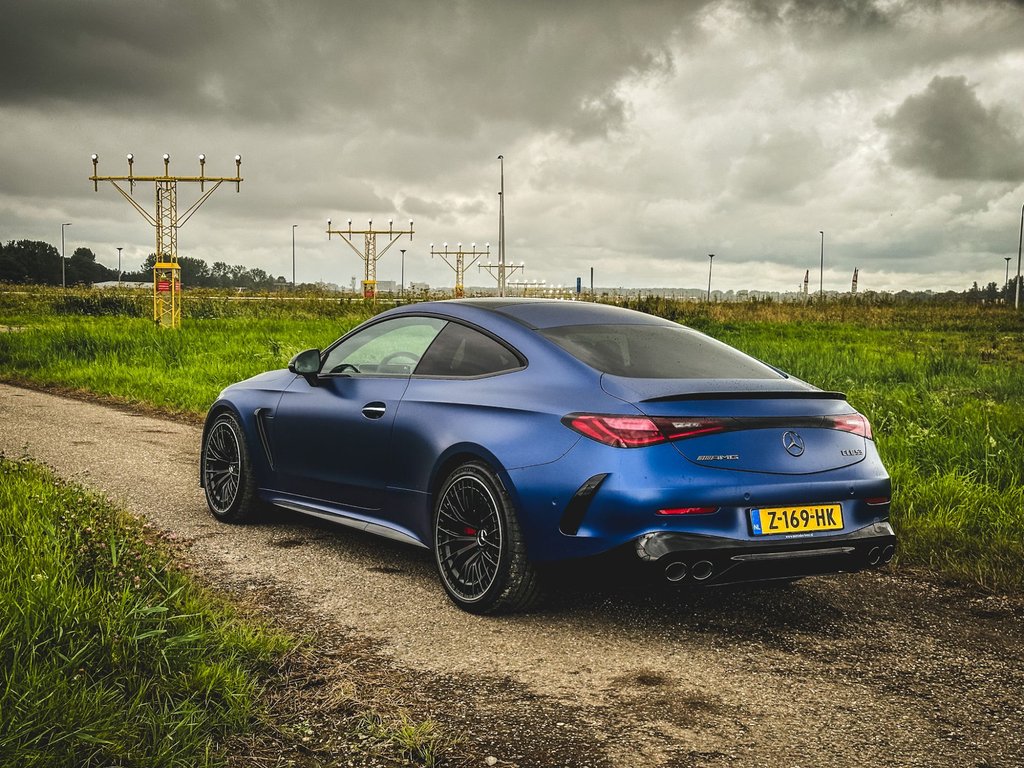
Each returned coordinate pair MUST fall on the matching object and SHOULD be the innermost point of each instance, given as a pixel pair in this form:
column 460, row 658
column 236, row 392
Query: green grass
column 942, row 385
column 108, row 655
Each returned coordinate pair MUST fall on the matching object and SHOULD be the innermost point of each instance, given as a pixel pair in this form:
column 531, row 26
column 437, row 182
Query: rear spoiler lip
column 777, row 395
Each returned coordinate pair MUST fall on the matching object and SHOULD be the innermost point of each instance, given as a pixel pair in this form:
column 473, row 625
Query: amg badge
column 720, row 457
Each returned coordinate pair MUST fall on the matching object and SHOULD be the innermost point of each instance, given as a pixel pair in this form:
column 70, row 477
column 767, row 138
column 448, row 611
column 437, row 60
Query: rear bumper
column 711, row 560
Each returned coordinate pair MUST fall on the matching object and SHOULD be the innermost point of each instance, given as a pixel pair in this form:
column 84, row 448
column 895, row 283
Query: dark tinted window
column 656, row 352
column 461, row 351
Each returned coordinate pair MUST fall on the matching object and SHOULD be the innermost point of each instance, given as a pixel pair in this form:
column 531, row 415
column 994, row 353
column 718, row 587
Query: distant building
column 419, row 286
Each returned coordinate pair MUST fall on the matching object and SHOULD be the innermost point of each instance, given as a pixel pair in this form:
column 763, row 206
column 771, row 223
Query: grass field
column 111, row 655
column 942, row 385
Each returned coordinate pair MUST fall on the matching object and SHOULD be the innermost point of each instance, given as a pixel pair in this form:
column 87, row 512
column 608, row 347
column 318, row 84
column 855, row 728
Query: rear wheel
column 227, row 472
column 478, row 546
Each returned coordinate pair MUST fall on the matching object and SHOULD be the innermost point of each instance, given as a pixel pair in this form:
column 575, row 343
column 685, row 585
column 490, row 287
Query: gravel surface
column 863, row 669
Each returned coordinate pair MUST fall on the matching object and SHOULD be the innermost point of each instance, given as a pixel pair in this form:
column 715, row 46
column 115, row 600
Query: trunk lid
column 777, row 426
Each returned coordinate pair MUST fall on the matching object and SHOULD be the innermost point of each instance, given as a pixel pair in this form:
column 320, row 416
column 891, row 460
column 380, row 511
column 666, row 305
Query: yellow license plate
column 768, row 521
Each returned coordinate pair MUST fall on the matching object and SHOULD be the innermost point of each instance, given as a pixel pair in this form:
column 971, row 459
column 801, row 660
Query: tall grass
column 108, row 656
column 942, row 385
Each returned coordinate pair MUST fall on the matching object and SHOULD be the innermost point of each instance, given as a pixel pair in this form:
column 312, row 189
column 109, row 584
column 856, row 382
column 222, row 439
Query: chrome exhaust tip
column 874, row 556
column 702, row 570
column 675, row 571
column 888, row 553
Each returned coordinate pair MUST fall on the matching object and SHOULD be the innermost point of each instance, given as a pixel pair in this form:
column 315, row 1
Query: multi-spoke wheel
column 478, row 546
column 227, row 472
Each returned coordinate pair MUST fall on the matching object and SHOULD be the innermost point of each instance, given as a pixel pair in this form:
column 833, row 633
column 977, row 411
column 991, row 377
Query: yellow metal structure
column 167, row 294
column 459, row 264
column 166, row 271
column 370, row 255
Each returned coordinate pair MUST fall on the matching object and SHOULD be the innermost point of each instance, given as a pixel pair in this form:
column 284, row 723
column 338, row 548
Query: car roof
column 550, row 313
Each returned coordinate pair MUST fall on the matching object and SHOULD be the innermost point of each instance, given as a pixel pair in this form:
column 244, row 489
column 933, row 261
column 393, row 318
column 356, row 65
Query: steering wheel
column 340, row 368
column 413, row 358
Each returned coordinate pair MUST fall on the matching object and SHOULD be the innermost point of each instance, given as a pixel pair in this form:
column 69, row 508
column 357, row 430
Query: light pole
column 401, row 289
column 1006, row 281
column 821, row 273
column 63, row 283
column 711, row 261
column 119, row 249
column 1016, row 297
column 293, row 255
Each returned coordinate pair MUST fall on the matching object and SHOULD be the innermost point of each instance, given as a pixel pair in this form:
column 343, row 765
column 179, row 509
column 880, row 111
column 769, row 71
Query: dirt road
column 869, row 669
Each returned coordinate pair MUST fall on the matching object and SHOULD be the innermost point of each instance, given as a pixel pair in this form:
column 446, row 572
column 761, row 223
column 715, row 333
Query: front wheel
column 478, row 546
column 227, row 472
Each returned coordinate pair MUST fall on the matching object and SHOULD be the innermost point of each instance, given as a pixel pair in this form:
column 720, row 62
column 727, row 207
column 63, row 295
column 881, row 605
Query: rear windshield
column 656, row 352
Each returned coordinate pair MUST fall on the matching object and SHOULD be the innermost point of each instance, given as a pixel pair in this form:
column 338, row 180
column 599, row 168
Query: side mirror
column 307, row 365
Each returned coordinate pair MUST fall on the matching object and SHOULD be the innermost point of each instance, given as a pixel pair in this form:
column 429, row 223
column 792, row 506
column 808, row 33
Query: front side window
column 389, row 348
column 462, row 351
column 656, row 352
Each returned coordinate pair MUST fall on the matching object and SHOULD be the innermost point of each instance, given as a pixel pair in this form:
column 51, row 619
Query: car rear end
column 730, row 472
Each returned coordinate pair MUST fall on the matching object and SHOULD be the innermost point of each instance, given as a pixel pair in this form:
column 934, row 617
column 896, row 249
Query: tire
column 227, row 472
column 478, row 545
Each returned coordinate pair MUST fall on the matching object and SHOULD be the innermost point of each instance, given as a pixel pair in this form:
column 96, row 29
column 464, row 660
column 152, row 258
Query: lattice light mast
column 166, row 271
column 459, row 264
column 370, row 255
column 502, row 271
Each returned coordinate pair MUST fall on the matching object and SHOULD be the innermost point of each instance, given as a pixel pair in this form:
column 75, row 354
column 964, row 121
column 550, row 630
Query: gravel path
column 869, row 669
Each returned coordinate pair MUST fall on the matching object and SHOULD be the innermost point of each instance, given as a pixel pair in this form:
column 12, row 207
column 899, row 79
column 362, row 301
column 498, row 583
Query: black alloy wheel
column 478, row 547
column 227, row 472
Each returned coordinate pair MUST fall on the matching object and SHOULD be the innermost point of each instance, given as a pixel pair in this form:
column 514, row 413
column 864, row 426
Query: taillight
column 617, row 431
column 639, row 431
column 853, row 423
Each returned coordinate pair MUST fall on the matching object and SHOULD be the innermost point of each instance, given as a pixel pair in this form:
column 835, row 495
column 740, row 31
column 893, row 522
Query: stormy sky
column 638, row 136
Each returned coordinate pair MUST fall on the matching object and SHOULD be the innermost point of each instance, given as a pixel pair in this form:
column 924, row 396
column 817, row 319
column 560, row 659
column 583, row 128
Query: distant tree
column 29, row 261
column 194, row 272
column 82, row 269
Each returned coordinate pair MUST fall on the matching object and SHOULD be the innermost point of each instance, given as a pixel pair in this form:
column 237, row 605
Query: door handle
column 374, row 410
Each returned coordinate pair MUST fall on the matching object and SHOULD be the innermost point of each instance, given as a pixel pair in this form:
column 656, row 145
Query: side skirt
column 320, row 509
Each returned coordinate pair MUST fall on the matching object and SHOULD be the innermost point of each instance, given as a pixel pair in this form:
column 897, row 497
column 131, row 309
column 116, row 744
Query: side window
column 461, row 351
column 389, row 348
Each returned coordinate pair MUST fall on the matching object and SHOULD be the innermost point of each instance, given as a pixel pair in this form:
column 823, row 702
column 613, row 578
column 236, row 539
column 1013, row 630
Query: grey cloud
column 847, row 14
column 947, row 132
column 549, row 65
column 777, row 164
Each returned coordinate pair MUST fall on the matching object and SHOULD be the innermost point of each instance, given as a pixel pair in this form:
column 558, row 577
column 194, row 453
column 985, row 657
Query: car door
column 333, row 437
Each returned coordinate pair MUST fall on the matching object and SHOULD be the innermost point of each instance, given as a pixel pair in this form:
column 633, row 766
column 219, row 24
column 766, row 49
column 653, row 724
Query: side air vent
column 261, row 415
column 577, row 507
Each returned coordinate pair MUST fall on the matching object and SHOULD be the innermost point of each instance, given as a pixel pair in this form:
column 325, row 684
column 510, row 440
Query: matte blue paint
column 330, row 456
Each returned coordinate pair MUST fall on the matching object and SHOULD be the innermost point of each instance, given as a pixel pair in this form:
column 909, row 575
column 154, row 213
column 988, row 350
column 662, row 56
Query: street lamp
column 63, row 283
column 1016, row 297
column 401, row 289
column 711, row 261
column 1006, row 281
column 119, row 249
column 821, row 273
column 293, row 255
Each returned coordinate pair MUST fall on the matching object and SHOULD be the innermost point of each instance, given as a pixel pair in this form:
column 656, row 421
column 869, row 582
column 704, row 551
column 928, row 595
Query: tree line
column 36, row 262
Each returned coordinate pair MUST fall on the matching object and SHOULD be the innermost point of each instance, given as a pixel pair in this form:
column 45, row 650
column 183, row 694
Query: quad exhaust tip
column 887, row 553
column 675, row 571
column 701, row 570
column 874, row 556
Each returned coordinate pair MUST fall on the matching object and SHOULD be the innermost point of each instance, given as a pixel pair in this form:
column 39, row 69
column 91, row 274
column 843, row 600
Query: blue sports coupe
column 504, row 434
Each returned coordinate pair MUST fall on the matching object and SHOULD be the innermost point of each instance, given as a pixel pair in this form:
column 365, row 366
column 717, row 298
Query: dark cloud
column 438, row 67
column 848, row 14
column 948, row 133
